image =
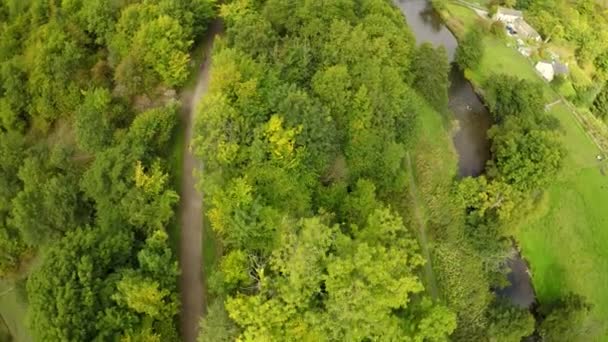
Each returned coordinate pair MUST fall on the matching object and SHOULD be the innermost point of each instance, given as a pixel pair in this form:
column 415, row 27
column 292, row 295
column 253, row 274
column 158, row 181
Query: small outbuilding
column 526, row 31
column 508, row 15
column 546, row 70
column 560, row 68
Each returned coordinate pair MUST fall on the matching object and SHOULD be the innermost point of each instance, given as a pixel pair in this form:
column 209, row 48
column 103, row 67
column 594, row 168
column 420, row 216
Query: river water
column 473, row 119
column 470, row 139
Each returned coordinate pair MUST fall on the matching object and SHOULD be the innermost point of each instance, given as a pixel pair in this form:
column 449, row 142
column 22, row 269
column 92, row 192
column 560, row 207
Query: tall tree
column 430, row 69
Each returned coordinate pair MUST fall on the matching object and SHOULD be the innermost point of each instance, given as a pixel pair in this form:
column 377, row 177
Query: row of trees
column 83, row 173
column 303, row 137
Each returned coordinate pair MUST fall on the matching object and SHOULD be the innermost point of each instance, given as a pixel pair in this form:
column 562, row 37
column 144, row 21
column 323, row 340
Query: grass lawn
column 566, row 244
column 12, row 311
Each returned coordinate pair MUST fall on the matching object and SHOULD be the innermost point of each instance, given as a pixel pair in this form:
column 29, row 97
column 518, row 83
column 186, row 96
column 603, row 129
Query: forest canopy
column 85, row 187
column 303, row 137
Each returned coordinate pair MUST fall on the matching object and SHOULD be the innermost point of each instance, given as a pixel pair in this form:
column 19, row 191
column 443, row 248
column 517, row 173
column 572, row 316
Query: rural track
column 192, row 289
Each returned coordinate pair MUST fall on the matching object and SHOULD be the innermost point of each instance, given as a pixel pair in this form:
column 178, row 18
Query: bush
column 470, row 50
column 498, row 29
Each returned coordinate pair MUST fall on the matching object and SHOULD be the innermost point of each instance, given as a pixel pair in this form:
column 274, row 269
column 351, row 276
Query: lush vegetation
column 562, row 237
column 303, row 138
column 578, row 33
column 84, row 127
column 320, row 148
column 329, row 176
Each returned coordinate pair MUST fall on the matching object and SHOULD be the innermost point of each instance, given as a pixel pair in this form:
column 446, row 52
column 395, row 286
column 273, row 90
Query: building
column 551, row 69
column 525, row 31
column 507, row 15
column 546, row 70
column 560, row 68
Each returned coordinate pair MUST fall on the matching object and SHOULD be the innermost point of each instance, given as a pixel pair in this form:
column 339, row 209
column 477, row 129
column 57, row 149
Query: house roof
column 560, row 68
column 525, row 28
column 509, row 11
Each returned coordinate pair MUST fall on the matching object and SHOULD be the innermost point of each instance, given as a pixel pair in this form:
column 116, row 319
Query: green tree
column 565, row 319
column 93, row 130
column 430, row 69
column 510, row 96
column 217, row 326
column 470, row 50
column 600, row 104
column 70, row 290
column 49, row 203
column 509, row 323
column 526, row 158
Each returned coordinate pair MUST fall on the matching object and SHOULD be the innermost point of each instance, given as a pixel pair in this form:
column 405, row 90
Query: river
column 473, row 121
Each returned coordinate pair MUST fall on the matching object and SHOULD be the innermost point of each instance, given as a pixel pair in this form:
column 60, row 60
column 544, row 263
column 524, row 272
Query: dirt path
column 191, row 207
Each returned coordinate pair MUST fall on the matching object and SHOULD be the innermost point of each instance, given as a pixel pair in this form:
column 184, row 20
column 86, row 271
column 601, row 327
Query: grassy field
column 12, row 310
column 565, row 244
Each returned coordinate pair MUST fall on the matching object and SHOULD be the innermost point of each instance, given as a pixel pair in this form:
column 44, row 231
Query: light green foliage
column 583, row 24
column 484, row 198
column 162, row 44
column 149, row 204
column 465, row 288
column 217, row 326
column 155, row 36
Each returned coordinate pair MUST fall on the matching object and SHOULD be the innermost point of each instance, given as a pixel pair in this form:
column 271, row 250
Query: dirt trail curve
column 191, row 206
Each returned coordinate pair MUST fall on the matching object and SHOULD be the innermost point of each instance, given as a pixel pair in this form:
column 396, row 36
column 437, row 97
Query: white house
column 546, row 70
column 507, row 15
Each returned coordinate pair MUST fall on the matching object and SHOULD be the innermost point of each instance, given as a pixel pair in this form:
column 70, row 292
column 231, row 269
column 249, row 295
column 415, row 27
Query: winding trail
column 193, row 296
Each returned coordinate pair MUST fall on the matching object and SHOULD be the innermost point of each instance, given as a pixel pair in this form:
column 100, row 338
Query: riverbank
column 563, row 243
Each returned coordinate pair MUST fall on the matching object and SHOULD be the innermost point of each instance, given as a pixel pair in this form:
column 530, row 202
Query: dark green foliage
column 526, row 152
column 48, row 204
column 76, row 267
column 498, row 29
column 11, row 244
column 93, row 130
column 600, row 104
column 430, row 69
column 470, row 50
column 509, row 96
column 524, row 157
column 89, row 287
column 81, row 175
column 565, row 319
column 509, row 323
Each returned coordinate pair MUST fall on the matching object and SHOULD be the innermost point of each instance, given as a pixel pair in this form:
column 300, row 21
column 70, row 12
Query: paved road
column 191, row 207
